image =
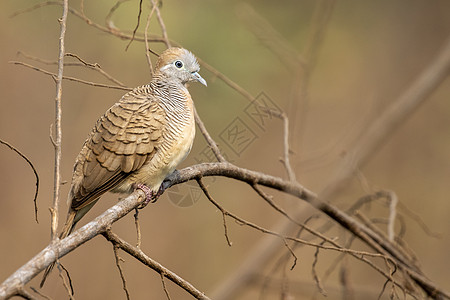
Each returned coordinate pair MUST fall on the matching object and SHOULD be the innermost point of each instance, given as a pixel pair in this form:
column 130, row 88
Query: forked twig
column 71, row 78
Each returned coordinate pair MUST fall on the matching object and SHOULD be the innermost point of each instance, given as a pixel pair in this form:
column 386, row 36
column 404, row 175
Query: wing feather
column 121, row 142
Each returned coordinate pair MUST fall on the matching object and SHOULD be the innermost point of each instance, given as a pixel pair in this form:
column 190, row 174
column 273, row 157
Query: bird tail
column 67, row 229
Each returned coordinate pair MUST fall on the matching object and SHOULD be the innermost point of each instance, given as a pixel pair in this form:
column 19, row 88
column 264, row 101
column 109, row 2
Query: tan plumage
column 139, row 140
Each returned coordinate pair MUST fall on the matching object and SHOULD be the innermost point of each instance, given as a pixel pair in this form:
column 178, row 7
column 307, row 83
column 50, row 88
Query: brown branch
column 226, row 80
column 137, row 25
column 96, row 67
column 314, row 273
column 25, row 295
column 357, row 254
column 138, row 228
column 152, row 38
column 111, row 30
column 161, row 24
column 34, row 171
column 68, row 286
column 147, row 47
column 122, row 275
column 60, row 248
column 212, row 144
column 286, row 148
column 166, row 291
column 71, row 78
column 58, row 115
column 142, row 257
column 39, row 293
column 91, row 66
column 100, row 224
column 108, row 22
column 223, row 211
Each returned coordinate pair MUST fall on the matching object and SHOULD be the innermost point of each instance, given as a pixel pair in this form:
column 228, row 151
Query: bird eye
column 179, row 64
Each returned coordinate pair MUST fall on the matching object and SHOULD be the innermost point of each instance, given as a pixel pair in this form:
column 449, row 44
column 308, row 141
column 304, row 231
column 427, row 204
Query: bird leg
column 150, row 196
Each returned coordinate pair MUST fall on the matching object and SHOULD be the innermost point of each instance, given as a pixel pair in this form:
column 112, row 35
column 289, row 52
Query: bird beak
column 199, row 78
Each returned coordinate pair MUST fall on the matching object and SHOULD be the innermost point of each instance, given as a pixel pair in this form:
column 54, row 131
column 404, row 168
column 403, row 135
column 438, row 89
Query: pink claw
column 149, row 197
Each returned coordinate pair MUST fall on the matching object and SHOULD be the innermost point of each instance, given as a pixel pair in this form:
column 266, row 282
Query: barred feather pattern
column 140, row 139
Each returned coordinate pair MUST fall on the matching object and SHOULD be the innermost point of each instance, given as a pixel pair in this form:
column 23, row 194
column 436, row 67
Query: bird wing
column 122, row 141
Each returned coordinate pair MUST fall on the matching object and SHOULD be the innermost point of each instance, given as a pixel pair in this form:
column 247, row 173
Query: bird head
column 179, row 64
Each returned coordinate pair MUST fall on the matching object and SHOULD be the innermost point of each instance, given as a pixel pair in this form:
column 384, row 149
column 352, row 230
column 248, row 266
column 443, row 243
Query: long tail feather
column 67, row 229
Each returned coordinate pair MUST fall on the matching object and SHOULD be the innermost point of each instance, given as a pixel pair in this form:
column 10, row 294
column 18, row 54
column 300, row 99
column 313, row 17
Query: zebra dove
column 138, row 141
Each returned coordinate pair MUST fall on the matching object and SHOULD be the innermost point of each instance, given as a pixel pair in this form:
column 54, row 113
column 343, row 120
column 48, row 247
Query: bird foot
column 150, row 196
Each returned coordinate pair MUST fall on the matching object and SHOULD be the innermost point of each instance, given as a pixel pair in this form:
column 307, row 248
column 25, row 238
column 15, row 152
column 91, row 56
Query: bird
column 139, row 141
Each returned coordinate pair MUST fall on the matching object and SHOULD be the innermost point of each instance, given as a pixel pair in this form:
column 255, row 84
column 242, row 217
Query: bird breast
column 176, row 142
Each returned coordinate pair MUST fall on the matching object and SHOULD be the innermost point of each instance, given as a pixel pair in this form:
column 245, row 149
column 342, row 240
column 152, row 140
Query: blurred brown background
column 372, row 51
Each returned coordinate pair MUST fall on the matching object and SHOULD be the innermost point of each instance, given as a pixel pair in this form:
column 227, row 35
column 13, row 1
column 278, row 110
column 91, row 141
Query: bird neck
column 173, row 95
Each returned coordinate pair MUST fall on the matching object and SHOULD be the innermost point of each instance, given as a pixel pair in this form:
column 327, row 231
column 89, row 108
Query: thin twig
column 35, row 175
column 96, row 67
column 227, row 80
column 161, row 24
column 122, row 275
column 111, row 30
column 357, row 254
column 154, row 265
column 212, row 144
column 138, row 228
column 25, row 295
column 314, row 272
column 71, row 78
column 393, row 200
column 286, row 149
column 40, row 293
column 137, row 25
column 224, row 213
column 166, row 291
column 416, row 218
column 67, row 285
column 291, row 251
column 109, row 23
column 147, row 47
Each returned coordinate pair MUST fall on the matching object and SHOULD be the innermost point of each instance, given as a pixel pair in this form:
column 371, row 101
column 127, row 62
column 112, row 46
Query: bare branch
column 34, row 171
column 71, row 78
column 138, row 228
column 224, row 213
column 166, row 291
column 122, row 276
column 58, row 116
column 137, row 25
column 68, row 286
column 314, row 273
column 161, row 24
column 111, row 30
column 147, row 47
column 142, row 257
column 212, row 144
